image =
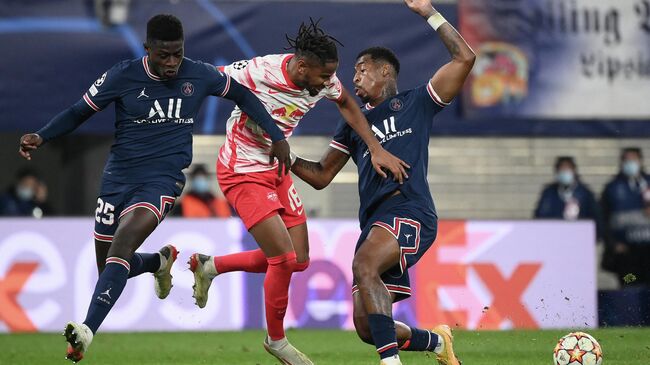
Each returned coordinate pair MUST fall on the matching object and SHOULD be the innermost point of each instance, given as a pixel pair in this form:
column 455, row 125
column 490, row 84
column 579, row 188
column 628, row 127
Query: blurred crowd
column 26, row 196
column 621, row 215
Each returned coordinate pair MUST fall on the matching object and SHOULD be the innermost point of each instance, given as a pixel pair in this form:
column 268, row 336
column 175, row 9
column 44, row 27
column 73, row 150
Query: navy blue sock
column 109, row 286
column 144, row 262
column 421, row 340
column 382, row 329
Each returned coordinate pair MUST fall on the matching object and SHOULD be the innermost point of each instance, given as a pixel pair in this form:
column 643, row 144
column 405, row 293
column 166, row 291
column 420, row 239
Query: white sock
column 210, row 268
column 163, row 261
column 276, row 344
column 393, row 360
column 440, row 346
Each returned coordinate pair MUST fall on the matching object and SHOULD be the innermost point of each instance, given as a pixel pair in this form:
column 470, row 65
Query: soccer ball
column 577, row 348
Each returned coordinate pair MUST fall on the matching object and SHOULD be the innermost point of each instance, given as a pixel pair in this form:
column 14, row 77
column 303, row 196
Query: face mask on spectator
column 565, row 177
column 201, row 185
column 24, row 193
column 631, row 168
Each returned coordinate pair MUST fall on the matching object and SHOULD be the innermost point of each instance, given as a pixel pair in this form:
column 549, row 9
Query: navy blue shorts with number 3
column 415, row 228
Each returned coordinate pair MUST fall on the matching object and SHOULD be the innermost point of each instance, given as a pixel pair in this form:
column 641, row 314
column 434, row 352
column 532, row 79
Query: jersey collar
column 285, row 73
column 145, row 63
column 369, row 107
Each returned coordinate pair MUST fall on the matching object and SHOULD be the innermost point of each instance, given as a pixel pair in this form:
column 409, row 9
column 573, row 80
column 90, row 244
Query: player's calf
column 79, row 337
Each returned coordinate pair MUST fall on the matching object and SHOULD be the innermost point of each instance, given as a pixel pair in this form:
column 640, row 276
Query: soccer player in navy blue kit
column 398, row 222
column 156, row 100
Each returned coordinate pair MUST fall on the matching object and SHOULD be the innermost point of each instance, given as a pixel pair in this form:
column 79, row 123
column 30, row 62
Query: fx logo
column 173, row 109
column 387, row 128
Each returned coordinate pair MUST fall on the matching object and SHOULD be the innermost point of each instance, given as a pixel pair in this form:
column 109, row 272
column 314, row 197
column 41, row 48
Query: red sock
column 302, row 266
column 276, row 292
column 248, row 261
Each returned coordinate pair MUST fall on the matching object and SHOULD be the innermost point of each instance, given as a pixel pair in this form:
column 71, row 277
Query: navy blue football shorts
column 117, row 199
column 414, row 224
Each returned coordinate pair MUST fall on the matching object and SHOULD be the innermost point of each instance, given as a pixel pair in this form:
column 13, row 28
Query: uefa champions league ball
column 577, row 348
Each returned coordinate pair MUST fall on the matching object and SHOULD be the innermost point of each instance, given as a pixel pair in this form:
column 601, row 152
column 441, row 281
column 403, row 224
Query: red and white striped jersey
column 247, row 146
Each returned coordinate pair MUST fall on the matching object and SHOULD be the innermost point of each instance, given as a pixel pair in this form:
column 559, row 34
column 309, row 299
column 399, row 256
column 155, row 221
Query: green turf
column 622, row 346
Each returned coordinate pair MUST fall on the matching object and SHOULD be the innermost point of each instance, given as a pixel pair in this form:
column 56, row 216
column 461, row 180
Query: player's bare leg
column 360, row 319
column 133, row 229
column 101, row 253
column 300, row 240
column 373, row 305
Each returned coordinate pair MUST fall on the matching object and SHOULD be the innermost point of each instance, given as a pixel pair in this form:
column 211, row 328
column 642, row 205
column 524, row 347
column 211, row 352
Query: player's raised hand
column 29, row 142
column 281, row 151
column 383, row 159
column 421, row 7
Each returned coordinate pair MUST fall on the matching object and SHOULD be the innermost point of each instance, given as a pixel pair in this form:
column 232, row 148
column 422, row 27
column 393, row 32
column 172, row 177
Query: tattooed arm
column 449, row 79
column 320, row 174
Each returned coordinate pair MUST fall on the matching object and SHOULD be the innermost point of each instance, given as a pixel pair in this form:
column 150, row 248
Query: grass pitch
column 621, row 346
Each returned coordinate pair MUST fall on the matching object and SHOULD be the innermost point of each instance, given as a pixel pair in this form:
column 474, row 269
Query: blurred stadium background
column 553, row 78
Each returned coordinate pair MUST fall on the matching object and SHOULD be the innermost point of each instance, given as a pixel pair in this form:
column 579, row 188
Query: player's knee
column 286, row 262
column 362, row 271
column 302, row 266
column 363, row 330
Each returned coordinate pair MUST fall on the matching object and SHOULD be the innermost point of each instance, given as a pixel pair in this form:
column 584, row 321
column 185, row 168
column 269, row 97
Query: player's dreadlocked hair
column 164, row 27
column 313, row 42
column 381, row 54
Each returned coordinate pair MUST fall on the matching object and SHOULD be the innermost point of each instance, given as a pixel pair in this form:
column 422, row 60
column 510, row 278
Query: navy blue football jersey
column 154, row 117
column 402, row 125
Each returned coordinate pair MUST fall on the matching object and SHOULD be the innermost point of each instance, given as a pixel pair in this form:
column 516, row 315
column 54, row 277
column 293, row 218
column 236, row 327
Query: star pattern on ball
column 576, row 355
column 598, row 352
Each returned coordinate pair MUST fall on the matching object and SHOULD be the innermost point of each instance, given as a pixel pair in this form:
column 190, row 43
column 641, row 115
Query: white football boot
column 204, row 271
column 393, row 360
column 285, row 352
column 163, row 277
column 79, row 337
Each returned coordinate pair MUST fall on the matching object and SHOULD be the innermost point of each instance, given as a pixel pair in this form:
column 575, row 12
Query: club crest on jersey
column 100, row 80
column 395, row 105
column 272, row 196
column 187, row 89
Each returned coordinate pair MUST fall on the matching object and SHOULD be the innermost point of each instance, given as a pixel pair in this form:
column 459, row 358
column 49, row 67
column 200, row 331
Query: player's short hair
column 635, row 150
column 381, row 54
column 314, row 43
column 164, row 27
column 565, row 159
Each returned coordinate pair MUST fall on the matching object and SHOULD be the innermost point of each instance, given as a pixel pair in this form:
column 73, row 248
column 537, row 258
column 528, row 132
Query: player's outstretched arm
column 250, row 105
column 62, row 124
column 380, row 157
column 320, row 174
column 449, row 79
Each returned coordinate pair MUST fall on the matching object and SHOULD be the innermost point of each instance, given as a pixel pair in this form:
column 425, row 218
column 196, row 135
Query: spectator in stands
column 200, row 201
column 567, row 198
column 26, row 197
column 626, row 211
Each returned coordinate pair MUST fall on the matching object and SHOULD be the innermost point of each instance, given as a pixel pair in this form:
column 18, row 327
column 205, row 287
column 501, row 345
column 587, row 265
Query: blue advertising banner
column 53, row 50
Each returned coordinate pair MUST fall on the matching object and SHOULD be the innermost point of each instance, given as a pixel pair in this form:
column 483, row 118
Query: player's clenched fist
column 29, row 142
column 421, row 7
